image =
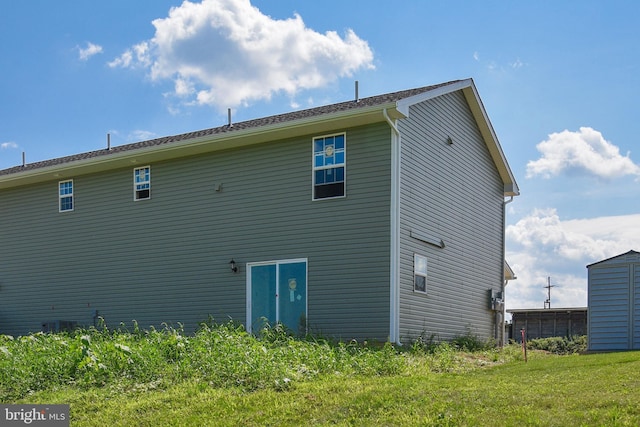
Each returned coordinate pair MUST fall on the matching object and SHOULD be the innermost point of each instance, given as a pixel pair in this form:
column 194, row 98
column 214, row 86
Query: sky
column 560, row 82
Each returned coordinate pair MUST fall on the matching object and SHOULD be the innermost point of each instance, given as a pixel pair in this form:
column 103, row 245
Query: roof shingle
column 254, row 123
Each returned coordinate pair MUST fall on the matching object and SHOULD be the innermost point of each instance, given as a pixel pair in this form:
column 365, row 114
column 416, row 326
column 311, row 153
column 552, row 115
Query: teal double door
column 277, row 293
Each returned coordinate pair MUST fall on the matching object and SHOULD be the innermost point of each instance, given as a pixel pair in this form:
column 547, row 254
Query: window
column 142, row 183
column 328, row 166
column 419, row 273
column 65, row 196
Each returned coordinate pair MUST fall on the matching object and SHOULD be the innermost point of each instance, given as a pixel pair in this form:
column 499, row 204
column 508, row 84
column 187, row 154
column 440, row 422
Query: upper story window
column 329, row 162
column 419, row 273
column 142, row 183
column 65, row 195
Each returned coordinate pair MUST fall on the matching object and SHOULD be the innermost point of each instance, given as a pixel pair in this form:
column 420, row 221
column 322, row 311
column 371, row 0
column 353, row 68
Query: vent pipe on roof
column 357, row 95
column 229, row 114
column 108, row 141
column 24, row 159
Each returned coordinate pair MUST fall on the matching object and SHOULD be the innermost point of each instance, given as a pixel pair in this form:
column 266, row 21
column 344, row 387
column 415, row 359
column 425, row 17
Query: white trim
column 481, row 117
column 405, row 103
column 60, row 197
column 424, row 274
column 394, row 259
column 135, row 184
column 277, row 263
column 190, row 146
column 313, row 166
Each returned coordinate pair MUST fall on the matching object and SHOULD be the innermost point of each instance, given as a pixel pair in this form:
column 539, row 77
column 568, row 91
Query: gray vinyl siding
column 449, row 192
column 165, row 260
column 614, row 304
column 636, row 307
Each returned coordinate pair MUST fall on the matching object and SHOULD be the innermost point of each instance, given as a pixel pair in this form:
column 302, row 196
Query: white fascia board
column 482, row 119
column 404, row 104
column 491, row 139
column 199, row 145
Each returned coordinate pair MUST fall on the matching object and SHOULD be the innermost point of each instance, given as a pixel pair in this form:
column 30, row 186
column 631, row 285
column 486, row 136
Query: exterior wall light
column 233, row 266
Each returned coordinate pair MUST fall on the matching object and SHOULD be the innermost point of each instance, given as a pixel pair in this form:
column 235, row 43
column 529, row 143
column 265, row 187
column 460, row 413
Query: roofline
column 545, row 310
column 470, row 92
column 509, row 273
column 120, row 156
column 616, row 256
column 489, row 134
column 319, row 119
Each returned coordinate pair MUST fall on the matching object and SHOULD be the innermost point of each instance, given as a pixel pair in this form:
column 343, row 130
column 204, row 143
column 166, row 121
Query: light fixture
column 233, row 266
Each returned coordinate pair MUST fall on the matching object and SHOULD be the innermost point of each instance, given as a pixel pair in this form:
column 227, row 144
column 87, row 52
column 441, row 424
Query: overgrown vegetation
column 223, row 355
column 560, row 345
column 223, row 376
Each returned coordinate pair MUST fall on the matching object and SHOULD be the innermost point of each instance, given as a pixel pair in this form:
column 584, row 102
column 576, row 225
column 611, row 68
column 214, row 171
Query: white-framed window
column 65, row 196
column 142, row 183
column 419, row 273
column 329, row 166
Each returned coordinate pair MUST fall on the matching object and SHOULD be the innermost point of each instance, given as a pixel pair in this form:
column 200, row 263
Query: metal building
column 547, row 323
column 614, row 303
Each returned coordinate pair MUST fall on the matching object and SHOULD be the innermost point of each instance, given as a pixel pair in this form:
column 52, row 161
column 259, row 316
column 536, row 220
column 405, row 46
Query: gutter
column 502, row 315
column 192, row 143
column 394, row 274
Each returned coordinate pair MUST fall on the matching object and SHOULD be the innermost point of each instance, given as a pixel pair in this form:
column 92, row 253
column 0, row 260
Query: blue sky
column 560, row 82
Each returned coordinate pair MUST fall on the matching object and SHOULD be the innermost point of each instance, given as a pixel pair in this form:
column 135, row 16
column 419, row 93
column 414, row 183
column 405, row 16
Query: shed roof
column 349, row 113
column 630, row 254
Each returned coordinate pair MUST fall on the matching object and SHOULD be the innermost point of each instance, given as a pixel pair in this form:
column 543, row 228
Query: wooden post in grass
column 524, row 344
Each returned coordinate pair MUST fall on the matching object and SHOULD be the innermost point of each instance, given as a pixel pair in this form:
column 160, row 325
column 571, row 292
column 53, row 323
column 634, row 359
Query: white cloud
column 499, row 66
column 87, row 52
column 542, row 245
column 141, row 135
column 227, row 53
column 8, row 145
column 585, row 151
column 137, row 56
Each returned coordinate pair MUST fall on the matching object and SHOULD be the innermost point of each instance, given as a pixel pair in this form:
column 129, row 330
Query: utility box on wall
column 496, row 300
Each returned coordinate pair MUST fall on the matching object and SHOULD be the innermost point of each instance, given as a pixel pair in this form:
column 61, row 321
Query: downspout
column 501, row 315
column 394, row 275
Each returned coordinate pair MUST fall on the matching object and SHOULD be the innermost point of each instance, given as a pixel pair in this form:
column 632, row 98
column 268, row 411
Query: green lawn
column 282, row 381
column 577, row 390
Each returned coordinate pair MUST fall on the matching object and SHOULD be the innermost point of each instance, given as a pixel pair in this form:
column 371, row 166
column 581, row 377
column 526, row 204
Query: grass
column 222, row 376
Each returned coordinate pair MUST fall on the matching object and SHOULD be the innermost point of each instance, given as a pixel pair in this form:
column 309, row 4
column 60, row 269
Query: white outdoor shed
column 614, row 303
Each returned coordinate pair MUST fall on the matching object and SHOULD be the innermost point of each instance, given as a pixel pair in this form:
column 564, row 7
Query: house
column 548, row 322
column 613, row 294
column 376, row 218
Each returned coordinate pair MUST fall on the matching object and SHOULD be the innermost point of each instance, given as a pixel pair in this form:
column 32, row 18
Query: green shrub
column 560, row 345
column 466, row 342
column 471, row 342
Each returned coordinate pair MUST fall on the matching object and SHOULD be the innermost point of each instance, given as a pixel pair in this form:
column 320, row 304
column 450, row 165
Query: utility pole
column 547, row 303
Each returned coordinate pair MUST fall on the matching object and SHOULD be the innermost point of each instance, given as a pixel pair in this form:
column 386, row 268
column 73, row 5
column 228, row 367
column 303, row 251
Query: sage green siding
column 165, row 260
column 454, row 194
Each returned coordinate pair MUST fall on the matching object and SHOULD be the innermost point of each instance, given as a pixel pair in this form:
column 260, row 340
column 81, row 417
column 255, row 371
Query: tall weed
column 217, row 355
